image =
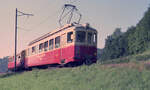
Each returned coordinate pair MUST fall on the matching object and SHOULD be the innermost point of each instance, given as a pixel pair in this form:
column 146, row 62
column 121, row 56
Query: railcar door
column 62, row 46
column 22, row 59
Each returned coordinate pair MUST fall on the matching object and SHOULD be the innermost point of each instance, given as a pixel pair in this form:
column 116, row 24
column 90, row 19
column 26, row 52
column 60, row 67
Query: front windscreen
column 80, row 36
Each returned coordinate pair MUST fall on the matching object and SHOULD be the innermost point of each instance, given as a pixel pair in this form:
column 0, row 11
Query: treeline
column 135, row 40
column 4, row 58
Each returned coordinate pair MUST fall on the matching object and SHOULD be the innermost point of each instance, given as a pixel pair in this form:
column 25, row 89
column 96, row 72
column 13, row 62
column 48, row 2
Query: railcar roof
column 58, row 30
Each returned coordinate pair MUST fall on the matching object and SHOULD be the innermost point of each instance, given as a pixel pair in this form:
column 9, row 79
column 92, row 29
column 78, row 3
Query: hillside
column 129, row 73
column 131, row 76
column 135, row 40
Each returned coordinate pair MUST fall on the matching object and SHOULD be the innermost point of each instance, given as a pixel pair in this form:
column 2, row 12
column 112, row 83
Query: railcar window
column 89, row 37
column 33, row 49
column 57, row 42
column 80, row 36
column 69, row 37
column 95, row 38
column 45, row 46
column 51, row 44
column 10, row 60
column 41, row 47
column 18, row 58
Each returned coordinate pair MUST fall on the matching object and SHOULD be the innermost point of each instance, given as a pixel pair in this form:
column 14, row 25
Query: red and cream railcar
column 72, row 43
column 19, row 61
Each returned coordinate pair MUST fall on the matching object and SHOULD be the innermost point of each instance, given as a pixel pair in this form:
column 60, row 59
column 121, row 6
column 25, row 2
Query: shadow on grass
column 8, row 74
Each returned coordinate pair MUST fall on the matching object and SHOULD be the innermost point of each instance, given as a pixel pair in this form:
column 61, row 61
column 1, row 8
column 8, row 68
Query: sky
column 103, row 15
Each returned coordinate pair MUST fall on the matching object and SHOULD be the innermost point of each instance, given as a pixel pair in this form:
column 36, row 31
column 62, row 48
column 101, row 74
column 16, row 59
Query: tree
column 139, row 40
column 134, row 40
column 115, row 45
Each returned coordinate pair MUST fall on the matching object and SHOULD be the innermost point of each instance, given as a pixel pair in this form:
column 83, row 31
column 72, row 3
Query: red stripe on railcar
column 11, row 65
column 68, row 54
column 51, row 57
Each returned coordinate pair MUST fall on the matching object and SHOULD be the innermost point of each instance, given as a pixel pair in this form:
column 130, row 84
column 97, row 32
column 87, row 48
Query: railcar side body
column 72, row 43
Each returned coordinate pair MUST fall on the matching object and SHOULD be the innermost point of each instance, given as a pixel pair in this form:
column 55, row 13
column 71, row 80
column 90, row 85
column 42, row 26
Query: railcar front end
column 81, row 46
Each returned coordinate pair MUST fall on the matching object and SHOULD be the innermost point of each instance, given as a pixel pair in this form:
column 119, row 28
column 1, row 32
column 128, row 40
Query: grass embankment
column 128, row 73
column 94, row 77
column 143, row 57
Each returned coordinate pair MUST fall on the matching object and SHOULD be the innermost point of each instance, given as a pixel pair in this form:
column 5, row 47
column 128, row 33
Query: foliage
column 115, row 46
column 140, row 38
column 4, row 58
column 99, row 53
column 135, row 40
column 145, row 56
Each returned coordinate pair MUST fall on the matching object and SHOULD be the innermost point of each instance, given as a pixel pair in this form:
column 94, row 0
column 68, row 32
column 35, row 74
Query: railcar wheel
column 70, row 64
column 43, row 67
column 29, row 69
column 88, row 61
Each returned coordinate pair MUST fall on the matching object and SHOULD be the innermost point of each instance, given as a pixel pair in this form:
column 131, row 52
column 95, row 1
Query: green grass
column 132, row 58
column 94, row 77
column 127, row 73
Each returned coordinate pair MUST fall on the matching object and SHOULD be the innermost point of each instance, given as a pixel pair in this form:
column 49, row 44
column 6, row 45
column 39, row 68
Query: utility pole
column 18, row 13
